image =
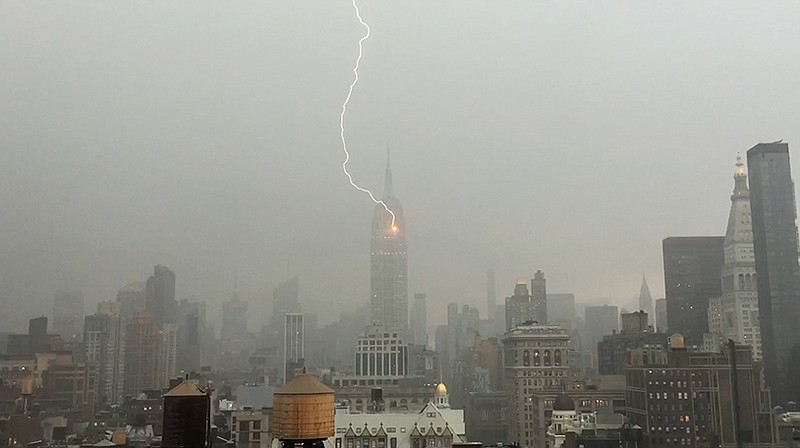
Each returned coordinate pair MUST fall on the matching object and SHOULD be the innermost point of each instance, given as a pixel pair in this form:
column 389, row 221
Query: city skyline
column 217, row 200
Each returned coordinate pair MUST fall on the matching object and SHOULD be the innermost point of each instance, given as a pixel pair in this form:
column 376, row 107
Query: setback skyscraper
column 388, row 263
column 692, row 276
column 775, row 247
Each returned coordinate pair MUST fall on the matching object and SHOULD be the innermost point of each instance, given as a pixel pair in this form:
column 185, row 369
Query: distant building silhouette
column 774, row 212
column 419, row 320
column 293, row 345
column 692, row 276
column 646, row 301
column 285, row 299
column 68, row 314
column 661, row 315
column 104, row 345
column 539, row 297
column 160, row 303
column 491, row 294
column 389, row 263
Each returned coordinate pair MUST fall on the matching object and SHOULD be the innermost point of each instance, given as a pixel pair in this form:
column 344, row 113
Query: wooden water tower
column 303, row 412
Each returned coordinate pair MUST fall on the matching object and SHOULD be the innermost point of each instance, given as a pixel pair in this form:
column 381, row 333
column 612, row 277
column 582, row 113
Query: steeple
column 740, row 178
column 387, row 179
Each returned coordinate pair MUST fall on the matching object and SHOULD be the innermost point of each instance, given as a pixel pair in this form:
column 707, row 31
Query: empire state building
column 388, row 263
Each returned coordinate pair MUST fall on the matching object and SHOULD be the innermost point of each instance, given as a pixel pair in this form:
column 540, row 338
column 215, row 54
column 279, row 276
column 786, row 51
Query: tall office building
column 104, row 344
column 599, row 321
column 561, row 310
column 68, row 314
column 132, row 299
column 735, row 314
column 160, row 296
column 661, row 315
column 141, row 371
column 519, row 308
column 191, row 318
column 646, row 300
column 37, row 335
column 535, row 367
column 285, row 299
column 692, row 276
column 775, row 246
column 681, row 398
column 150, row 355
column 539, row 297
column 491, row 294
column 293, row 345
column 388, row 263
column 234, row 325
column 419, row 320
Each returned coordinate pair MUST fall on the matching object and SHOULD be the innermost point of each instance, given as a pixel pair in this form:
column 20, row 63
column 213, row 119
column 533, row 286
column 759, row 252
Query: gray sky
column 564, row 136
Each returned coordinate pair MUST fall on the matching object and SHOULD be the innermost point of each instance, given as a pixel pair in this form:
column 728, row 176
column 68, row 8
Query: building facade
column 518, row 306
column 774, row 215
column 661, row 315
column 734, row 315
column 389, row 262
column 104, row 345
column 692, row 276
column 539, row 297
column 534, row 364
column 700, row 399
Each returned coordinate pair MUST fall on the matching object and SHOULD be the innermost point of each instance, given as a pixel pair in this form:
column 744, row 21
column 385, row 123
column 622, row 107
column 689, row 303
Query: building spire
column 740, row 177
column 387, row 179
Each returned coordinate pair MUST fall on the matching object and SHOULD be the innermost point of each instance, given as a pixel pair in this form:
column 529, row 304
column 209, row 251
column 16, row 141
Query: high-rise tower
column 388, row 263
column 738, row 306
column 646, row 301
column 775, row 247
column 160, row 304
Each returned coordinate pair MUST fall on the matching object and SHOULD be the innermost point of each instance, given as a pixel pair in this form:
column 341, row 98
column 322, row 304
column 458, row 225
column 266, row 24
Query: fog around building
column 566, row 137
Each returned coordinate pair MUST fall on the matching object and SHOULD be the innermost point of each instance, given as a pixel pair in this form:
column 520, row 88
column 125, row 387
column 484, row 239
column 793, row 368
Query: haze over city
column 570, row 138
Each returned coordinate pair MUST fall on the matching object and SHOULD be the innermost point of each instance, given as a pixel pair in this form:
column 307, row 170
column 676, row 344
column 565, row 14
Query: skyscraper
column 539, row 297
column 388, row 263
column 68, row 314
column 104, row 343
column 160, row 303
column 293, row 345
column 692, row 276
column 234, row 325
column 491, row 294
column 518, row 307
column 132, row 299
column 419, row 320
column 285, row 299
column 646, row 301
column 775, row 247
column 661, row 315
column 599, row 321
column 736, row 313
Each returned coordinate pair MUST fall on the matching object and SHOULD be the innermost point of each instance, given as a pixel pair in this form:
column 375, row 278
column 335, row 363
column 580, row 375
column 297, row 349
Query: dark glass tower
column 692, row 275
column 775, row 243
column 160, row 304
column 388, row 263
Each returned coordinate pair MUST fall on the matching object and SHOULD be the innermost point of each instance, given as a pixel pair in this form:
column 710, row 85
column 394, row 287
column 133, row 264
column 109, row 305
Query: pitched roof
column 304, row 384
column 187, row 388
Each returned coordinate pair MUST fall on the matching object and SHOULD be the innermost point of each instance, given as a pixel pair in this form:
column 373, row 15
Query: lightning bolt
column 344, row 111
